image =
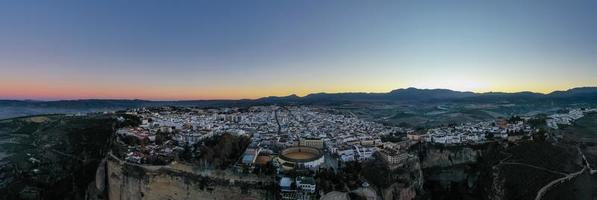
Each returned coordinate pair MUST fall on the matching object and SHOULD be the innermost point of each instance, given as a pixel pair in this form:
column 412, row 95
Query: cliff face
column 179, row 181
column 496, row 190
column 393, row 181
column 447, row 157
column 451, row 172
column 398, row 191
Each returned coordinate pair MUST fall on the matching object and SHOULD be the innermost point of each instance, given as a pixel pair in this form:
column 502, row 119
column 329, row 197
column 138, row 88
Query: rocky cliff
column 400, row 182
column 451, row 172
column 441, row 157
column 179, row 181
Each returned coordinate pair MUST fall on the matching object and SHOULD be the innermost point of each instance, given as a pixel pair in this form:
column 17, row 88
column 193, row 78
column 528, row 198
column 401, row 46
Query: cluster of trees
column 346, row 179
column 218, row 152
column 514, row 119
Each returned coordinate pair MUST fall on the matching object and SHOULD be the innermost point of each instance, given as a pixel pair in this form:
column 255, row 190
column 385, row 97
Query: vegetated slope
column 51, row 157
column 534, row 164
column 583, row 187
column 562, row 158
column 501, row 171
column 583, row 133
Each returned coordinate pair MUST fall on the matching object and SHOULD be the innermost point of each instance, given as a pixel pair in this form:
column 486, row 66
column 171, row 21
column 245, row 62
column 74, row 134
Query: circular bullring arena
column 306, row 157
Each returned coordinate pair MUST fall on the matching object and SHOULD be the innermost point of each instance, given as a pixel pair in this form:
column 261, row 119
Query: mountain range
column 407, row 95
column 414, row 95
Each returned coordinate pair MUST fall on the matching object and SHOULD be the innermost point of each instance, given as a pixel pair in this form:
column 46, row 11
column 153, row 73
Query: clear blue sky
column 247, row 49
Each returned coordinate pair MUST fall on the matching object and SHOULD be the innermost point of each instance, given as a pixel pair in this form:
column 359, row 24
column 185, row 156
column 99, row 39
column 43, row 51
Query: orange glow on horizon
column 69, row 92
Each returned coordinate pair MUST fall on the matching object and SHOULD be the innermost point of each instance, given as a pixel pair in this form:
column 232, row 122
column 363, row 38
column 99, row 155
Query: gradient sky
column 247, row 49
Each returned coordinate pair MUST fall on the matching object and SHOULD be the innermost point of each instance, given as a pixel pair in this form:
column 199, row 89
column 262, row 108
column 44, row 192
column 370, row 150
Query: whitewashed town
column 303, row 138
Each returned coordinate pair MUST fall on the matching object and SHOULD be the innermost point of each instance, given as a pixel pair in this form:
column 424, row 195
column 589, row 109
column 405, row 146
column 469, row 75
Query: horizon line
column 273, row 96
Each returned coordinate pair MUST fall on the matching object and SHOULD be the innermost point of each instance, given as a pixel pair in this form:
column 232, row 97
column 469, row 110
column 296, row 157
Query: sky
column 180, row 50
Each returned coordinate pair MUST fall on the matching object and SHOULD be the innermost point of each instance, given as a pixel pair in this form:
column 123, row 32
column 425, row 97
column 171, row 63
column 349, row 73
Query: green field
column 425, row 115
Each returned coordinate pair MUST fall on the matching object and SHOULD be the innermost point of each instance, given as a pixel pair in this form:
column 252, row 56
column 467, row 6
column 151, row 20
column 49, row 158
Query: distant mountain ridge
column 398, row 95
column 575, row 92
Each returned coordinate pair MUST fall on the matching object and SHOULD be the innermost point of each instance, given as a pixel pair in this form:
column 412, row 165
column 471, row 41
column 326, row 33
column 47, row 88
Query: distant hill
column 408, row 94
column 12, row 108
column 575, row 92
column 423, row 94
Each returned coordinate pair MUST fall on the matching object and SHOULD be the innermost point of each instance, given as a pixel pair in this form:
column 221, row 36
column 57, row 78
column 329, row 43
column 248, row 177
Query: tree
column 540, row 136
column 489, row 136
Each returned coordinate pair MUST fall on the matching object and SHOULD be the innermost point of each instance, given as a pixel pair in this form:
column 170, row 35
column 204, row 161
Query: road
column 278, row 122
